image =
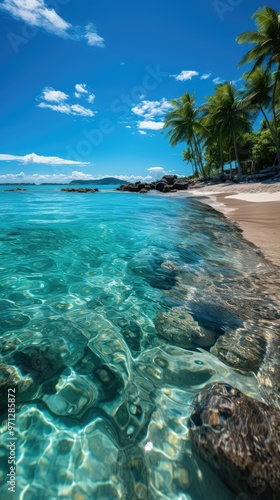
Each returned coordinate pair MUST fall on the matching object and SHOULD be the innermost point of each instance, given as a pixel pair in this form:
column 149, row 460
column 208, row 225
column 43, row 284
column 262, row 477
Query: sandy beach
column 255, row 207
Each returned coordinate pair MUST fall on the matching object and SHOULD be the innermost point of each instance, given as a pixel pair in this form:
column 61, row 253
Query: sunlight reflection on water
column 116, row 311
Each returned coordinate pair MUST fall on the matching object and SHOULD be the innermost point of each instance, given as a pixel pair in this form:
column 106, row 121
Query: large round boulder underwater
column 239, row 438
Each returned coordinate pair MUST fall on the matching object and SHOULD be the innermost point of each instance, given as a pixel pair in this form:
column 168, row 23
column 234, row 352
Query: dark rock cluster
column 80, row 190
column 166, row 184
column 239, row 439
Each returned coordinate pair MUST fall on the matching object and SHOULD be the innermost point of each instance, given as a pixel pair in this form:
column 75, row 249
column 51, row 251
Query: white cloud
column 151, row 109
column 40, row 178
column 150, row 125
column 218, row 80
column 156, row 172
column 67, row 109
column 77, row 109
column 132, row 178
column 51, row 95
column 205, row 76
column 142, row 132
column 55, row 100
column 128, row 126
column 37, row 14
column 185, row 75
column 65, row 177
column 91, row 98
column 81, row 88
column 93, row 38
column 42, row 160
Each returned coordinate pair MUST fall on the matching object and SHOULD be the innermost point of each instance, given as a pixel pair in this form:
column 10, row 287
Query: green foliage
column 220, row 130
column 266, row 39
column 183, row 125
column 266, row 50
column 263, row 151
column 246, row 145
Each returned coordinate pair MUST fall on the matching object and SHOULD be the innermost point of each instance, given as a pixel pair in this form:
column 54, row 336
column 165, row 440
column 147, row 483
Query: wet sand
column 259, row 221
column 254, row 207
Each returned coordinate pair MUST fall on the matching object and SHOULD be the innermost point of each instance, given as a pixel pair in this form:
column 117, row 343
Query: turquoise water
column 116, row 310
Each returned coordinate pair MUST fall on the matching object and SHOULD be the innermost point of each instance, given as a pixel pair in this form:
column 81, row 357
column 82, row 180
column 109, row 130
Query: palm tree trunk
column 267, row 120
column 230, row 165
column 275, row 121
column 221, row 155
column 199, row 156
column 236, row 154
column 194, row 160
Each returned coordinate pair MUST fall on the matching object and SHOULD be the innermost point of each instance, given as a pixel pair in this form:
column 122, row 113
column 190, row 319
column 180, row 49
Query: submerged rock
column 269, row 373
column 23, row 387
column 74, row 395
column 242, row 349
column 132, row 467
column 239, row 438
column 16, row 189
column 179, row 327
column 154, row 271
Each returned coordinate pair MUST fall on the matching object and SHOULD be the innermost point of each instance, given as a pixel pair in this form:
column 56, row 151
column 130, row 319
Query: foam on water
column 116, row 310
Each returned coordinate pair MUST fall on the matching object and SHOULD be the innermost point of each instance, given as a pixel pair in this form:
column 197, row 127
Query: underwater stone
column 41, row 361
column 8, row 344
column 132, row 468
column 74, row 396
column 241, row 349
column 108, row 382
column 132, row 334
column 10, row 378
column 154, row 272
column 179, row 327
column 239, row 438
column 64, row 336
column 269, row 373
column 214, row 314
column 12, row 320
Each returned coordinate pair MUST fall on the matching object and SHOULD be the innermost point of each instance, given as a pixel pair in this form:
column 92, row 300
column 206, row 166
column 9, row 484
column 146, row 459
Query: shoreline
column 254, row 207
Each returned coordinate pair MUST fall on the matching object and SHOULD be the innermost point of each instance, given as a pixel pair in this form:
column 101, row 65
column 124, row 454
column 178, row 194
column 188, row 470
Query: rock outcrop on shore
column 80, row 190
column 172, row 183
column 166, row 184
column 238, row 437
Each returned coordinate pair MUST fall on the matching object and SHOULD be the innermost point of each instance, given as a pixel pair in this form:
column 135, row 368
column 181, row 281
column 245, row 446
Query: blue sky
column 85, row 85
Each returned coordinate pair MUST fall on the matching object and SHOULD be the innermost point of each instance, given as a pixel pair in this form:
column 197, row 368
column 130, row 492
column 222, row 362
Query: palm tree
column 190, row 158
column 183, row 122
column 212, row 132
column 228, row 118
column 266, row 51
column 257, row 93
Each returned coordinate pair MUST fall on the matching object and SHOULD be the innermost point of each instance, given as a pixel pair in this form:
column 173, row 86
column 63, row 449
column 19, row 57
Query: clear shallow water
column 117, row 309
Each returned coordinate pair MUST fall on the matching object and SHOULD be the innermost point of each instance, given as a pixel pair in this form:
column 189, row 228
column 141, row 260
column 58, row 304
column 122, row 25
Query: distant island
column 106, row 180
